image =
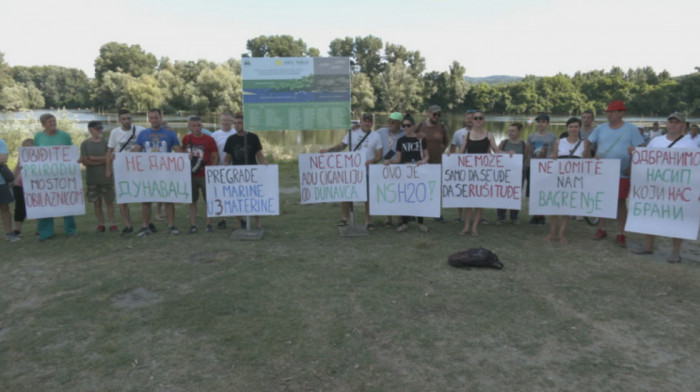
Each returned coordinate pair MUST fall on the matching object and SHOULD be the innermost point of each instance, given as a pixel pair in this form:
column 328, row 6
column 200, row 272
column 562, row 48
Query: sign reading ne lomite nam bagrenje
column 53, row 185
column 295, row 93
column 242, row 190
column 152, row 176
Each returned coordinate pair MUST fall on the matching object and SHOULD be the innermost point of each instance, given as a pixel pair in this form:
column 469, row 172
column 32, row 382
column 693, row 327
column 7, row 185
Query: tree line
column 385, row 77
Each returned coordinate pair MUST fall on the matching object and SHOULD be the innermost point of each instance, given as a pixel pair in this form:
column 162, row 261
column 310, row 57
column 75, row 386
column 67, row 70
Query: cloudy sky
column 516, row 37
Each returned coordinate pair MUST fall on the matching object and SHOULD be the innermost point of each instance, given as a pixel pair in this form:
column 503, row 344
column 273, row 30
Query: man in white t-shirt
column 370, row 144
column 122, row 139
column 693, row 134
column 221, row 136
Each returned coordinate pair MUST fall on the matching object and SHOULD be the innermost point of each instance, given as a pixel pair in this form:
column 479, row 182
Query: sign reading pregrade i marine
column 664, row 192
column 406, row 189
column 578, row 187
column 295, row 93
column 482, row 180
column 152, row 176
column 332, row 177
column 245, row 190
column 53, row 185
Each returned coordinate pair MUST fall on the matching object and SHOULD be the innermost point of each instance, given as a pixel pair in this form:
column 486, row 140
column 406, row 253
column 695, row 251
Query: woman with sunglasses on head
column 477, row 141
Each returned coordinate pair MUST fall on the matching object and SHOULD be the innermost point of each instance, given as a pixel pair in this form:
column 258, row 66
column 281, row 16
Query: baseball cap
column 396, row 116
column 616, row 105
column 678, row 116
column 434, row 109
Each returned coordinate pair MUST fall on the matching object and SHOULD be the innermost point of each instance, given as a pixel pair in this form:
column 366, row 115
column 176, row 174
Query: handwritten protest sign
column 482, row 180
column 579, row 187
column 53, row 185
column 404, row 190
column 332, row 177
column 152, row 176
column 665, row 186
column 242, row 190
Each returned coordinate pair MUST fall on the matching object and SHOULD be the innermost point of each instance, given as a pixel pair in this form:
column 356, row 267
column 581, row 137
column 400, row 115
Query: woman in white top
column 568, row 147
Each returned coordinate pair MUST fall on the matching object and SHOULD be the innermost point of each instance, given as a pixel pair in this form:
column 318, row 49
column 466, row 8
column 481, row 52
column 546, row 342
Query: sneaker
column 401, row 228
column 100, row 229
column 209, row 229
column 221, row 224
column 144, row 232
column 128, row 230
column 113, row 229
column 12, row 237
column 173, row 230
column 621, row 241
column 193, row 229
column 423, row 228
column 152, row 227
column 600, row 234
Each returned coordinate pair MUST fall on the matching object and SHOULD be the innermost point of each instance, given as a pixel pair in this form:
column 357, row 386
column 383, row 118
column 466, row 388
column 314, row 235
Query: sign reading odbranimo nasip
column 53, row 185
column 332, row 177
column 579, row 187
column 295, row 93
column 664, row 192
column 152, row 176
column 482, row 180
column 244, row 190
column 406, row 189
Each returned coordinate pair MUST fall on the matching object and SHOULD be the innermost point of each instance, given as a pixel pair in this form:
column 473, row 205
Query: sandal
column 674, row 259
column 342, row 223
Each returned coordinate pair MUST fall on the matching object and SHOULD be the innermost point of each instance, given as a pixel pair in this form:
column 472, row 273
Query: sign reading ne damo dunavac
column 295, row 93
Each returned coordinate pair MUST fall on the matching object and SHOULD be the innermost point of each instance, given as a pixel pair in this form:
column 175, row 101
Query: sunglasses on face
column 407, row 125
column 478, row 118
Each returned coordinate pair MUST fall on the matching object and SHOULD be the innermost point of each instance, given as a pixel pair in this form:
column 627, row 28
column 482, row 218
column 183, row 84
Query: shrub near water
column 14, row 131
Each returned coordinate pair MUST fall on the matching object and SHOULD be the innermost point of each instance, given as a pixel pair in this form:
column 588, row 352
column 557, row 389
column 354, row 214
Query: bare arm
column 338, row 147
column 260, row 157
column 586, row 149
column 227, row 159
column 555, row 150
column 214, row 159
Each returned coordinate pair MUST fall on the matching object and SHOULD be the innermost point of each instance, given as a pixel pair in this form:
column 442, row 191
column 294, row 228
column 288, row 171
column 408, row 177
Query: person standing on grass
column 568, row 147
column 435, row 135
column 93, row 155
column 675, row 123
column 457, row 146
column 203, row 152
column 52, row 136
column 477, row 141
column 541, row 143
column 390, row 136
column 156, row 139
column 18, row 193
column 122, row 139
column 615, row 139
column 243, row 148
column 370, row 144
column 220, row 137
column 6, row 198
column 513, row 145
column 410, row 149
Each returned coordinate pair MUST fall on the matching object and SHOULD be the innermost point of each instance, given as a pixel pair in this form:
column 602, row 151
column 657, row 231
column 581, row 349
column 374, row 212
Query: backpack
column 475, row 257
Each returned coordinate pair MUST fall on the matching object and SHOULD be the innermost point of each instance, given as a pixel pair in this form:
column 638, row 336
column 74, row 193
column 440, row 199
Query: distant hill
column 493, row 79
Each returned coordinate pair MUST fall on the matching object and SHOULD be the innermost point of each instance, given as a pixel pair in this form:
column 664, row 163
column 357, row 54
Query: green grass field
column 304, row 309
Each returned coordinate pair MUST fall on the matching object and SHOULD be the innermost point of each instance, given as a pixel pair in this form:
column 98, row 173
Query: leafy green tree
column 19, row 96
column 412, row 59
column 398, row 90
column 279, row 46
column 362, row 93
column 220, row 88
column 128, row 59
column 688, row 90
column 364, row 52
column 60, row 86
column 447, row 89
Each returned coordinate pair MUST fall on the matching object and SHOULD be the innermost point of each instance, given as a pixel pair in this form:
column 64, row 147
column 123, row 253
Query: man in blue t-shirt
column 156, row 139
column 616, row 139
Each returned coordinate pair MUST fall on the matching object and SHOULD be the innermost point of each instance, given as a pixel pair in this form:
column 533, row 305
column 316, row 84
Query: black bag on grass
column 475, row 257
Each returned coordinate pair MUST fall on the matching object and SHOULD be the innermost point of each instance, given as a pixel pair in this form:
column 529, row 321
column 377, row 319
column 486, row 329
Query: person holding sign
column 362, row 139
column 456, row 145
column 122, row 139
column 93, row 154
column 6, row 198
column 243, row 148
column 52, row 136
column 410, row 149
column 541, row 143
column 514, row 145
column 221, row 136
column 570, row 146
column 477, row 141
column 390, row 136
column 615, row 139
column 675, row 123
column 203, row 152
column 156, row 139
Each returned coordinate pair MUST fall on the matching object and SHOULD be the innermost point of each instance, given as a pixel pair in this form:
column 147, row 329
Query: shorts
column 624, row 189
column 197, row 184
column 96, row 191
column 6, row 194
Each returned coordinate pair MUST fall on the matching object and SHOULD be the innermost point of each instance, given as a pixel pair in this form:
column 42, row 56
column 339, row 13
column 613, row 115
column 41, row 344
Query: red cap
column 616, row 105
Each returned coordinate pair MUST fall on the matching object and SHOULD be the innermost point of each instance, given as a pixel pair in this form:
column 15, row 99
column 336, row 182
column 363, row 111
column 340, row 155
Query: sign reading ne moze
column 404, row 190
column 482, row 180
column 332, row 177
column 579, row 187
column 664, row 192
column 242, row 190
column 152, row 176
column 52, row 182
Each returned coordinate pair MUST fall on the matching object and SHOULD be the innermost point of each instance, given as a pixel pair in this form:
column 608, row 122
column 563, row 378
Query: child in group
column 410, row 149
column 93, row 153
column 514, row 145
column 565, row 148
column 18, row 191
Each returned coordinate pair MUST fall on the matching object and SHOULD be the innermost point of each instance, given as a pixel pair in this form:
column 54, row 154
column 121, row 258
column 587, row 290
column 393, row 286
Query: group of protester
column 402, row 141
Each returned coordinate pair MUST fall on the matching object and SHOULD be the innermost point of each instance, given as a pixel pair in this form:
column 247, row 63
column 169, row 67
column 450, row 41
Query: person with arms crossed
column 93, row 155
